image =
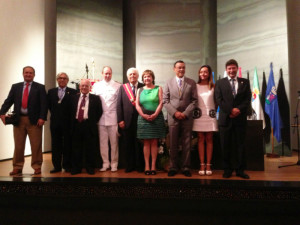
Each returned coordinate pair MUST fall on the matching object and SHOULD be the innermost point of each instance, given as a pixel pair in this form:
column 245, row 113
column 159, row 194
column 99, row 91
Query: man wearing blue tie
column 233, row 95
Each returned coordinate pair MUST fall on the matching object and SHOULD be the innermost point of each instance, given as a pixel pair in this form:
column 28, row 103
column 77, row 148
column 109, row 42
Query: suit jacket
column 60, row 112
column 184, row 103
column 94, row 113
column 226, row 101
column 125, row 109
column 37, row 102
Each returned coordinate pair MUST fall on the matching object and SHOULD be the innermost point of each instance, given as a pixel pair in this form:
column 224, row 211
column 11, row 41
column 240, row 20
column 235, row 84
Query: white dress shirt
column 108, row 92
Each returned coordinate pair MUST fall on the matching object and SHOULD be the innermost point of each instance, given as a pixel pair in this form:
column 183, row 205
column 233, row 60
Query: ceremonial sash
column 129, row 93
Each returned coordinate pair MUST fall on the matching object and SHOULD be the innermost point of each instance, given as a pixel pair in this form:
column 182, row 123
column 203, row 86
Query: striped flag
column 255, row 102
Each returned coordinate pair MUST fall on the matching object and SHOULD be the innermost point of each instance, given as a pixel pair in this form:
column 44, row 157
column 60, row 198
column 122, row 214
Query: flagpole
column 272, row 154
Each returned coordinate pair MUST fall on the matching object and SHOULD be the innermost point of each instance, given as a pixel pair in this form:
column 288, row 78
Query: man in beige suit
column 180, row 98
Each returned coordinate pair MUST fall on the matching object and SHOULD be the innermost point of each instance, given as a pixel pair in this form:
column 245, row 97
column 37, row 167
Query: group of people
column 98, row 115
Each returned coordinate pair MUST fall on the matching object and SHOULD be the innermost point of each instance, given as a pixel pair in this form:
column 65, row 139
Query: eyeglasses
column 62, row 78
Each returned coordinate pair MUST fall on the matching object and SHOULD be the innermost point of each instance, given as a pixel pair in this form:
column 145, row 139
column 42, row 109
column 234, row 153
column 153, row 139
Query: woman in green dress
column 150, row 125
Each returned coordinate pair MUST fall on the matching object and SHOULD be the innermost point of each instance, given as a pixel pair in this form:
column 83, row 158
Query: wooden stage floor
column 271, row 173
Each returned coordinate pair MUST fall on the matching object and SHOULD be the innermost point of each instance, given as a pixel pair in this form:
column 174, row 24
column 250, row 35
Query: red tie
column 81, row 110
column 25, row 97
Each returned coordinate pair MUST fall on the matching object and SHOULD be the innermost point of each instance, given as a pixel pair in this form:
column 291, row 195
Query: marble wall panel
column 89, row 31
column 253, row 32
column 167, row 31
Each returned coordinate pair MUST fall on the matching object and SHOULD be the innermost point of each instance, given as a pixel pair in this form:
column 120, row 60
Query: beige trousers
column 35, row 137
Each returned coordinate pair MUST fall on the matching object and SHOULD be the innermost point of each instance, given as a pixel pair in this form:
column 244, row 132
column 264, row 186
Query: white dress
column 207, row 122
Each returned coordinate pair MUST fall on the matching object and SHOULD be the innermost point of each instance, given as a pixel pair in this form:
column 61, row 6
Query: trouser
column 109, row 133
column 182, row 130
column 232, row 140
column 34, row 133
column 61, row 147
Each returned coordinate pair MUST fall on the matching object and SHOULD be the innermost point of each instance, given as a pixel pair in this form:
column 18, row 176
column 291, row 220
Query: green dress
column 149, row 100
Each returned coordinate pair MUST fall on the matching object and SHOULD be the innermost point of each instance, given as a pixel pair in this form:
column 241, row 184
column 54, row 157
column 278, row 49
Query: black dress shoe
column 242, row 175
column 172, row 173
column 227, row 174
column 55, row 170
column 147, row 172
column 68, row 170
column 187, row 173
column 90, row 171
column 128, row 170
column 74, row 172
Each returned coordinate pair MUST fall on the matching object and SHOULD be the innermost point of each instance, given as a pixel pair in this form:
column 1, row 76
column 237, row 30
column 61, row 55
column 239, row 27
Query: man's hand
column 40, row 122
column 122, row 124
column 179, row 115
column 3, row 119
column 234, row 113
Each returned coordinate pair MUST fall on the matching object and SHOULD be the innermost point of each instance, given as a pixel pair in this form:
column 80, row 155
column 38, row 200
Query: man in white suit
column 107, row 89
column 180, row 99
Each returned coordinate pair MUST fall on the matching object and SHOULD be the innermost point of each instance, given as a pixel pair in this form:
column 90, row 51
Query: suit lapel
column 184, row 85
column 228, row 87
column 175, row 86
column 20, row 91
column 31, row 92
column 240, row 85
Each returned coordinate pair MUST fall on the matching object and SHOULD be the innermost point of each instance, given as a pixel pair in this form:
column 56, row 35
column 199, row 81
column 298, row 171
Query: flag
column 284, row 108
column 240, row 72
column 271, row 106
column 267, row 130
column 213, row 76
column 255, row 102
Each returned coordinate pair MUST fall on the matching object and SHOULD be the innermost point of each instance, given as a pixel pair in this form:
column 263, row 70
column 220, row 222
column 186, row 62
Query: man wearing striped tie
column 233, row 96
column 180, row 99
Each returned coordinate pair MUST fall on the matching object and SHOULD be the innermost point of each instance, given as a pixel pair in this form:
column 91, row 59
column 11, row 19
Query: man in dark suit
column 127, row 120
column 30, row 105
column 59, row 105
column 86, row 110
column 233, row 95
column 180, row 99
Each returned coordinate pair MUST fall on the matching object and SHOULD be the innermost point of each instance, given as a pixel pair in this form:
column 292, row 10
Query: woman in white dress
column 205, row 122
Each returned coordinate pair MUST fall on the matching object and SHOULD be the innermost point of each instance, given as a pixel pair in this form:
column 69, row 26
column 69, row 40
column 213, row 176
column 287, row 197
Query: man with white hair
column 86, row 110
column 127, row 120
column 59, row 105
column 107, row 89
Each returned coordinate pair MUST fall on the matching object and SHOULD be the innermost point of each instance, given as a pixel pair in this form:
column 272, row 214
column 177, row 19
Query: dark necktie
column 25, row 97
column 133, row 90
column 233, row 87
column 81, row 109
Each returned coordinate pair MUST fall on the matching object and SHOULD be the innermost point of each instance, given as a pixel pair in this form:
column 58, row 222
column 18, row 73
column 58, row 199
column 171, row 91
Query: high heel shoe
column 208, row 172
column 202, row 172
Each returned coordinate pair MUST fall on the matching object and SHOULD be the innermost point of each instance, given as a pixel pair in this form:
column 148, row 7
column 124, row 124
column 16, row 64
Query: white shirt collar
column 229, row 78
column 87, row 95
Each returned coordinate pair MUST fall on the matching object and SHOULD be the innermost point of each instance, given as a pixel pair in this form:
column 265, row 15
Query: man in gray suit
column 179, row 99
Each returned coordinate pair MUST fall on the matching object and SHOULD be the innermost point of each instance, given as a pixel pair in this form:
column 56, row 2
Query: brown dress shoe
column 15, row 172
column 37, row 171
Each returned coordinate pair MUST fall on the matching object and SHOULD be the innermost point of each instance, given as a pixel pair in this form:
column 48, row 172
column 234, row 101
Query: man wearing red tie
column 30, row 106
column 86, row 111
column 233, row 95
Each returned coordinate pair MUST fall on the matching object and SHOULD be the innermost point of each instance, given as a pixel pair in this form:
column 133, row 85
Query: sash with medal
column 129, row 93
